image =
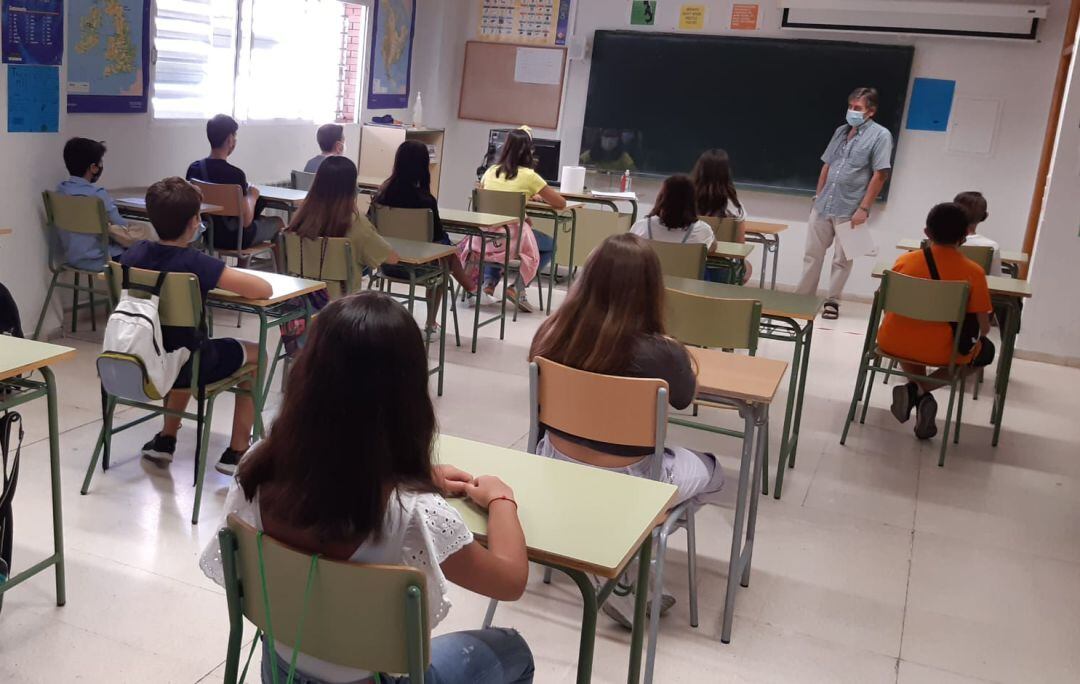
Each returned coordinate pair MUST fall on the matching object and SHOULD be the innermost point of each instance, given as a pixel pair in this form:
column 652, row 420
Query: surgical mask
column 609, row 144
column 855, row 118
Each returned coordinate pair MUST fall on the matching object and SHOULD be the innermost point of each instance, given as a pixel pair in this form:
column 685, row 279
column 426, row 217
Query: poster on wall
column 744, row 17
column 33, row 31
column 540, row 22
column 33, row 99
column 643, row 13
column 692, row 17
column 391, row 54
column 108, row 56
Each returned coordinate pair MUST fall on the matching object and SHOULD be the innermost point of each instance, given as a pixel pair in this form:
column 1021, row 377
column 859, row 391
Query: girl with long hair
column 716, row 196
column 674, row 216
column 348, row 474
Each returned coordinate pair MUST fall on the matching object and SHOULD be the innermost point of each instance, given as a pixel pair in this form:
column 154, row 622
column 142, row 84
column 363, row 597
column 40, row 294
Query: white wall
column 142, row 150
column 1019, row 74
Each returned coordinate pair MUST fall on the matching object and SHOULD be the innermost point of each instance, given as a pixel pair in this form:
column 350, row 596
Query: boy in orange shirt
column 931, row 344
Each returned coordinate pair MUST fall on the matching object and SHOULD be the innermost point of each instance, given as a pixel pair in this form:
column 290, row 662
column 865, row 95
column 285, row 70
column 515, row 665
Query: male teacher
column 856, row 166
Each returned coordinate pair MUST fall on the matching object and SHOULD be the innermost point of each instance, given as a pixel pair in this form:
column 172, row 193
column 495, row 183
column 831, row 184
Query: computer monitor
column 547, row 154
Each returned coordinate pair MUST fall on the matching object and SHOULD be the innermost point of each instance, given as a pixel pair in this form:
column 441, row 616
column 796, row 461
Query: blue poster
column 108, row 56
column 563, row 20
column 33, row 99
column 391, row 54
column 931, row 104
column 33, row 31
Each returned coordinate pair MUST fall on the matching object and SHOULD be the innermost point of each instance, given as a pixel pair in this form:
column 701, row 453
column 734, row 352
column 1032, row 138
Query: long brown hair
column 411, row 176
column 675, row 205
column 336, row 451
column 330, row 206
column 713, row 186
column 619, row 297
column 516, row 152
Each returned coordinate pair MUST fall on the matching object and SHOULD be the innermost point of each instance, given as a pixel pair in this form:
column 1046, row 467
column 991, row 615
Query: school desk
column 413, row 253
column 564, row 219
column 369, row 185
column 489, row 228
column 566, row 528
column 730, row 250
column 1010, row 261
column 285, row 199
column 1008, row 293
column 286, row 303
column 588, row 197
column 749, row 384
column 19, row 357
column 786, row 317
column 767, row 234
column 137, row 206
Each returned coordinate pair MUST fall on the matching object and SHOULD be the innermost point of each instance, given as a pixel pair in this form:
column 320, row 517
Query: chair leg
column 959, row 410
column 547, row 575
column 691, row 563
column 452, row 294
column 978, row 382
column 108, row 409
column 200, row 457
column 656, row 590
column 892, row 366
column 103, row 437
column 869, row 388
column 489, row 615
column 948, row 424
column 93, row 309
column 45, row 307
column 859, row 379
column 75, row 304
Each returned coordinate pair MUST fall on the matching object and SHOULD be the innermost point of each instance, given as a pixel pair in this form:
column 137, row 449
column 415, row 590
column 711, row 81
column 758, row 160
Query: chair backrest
column 604, row 408
column 337, row 266
column 371, row 617
column 229, row 197
column 712, row 322
column 501, row 202
column 724, row 229
column 683, row 260
column 923, row 299
column 301, row 180
column 181, row 302
column 593, row 227
column 407, row 224
column 76, row 214
column 983, row 255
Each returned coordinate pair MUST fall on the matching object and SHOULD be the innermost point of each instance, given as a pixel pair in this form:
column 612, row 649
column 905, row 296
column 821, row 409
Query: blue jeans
column 480, row 656
column 544, row 243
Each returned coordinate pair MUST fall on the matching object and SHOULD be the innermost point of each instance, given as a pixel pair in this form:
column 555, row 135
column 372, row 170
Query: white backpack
column 133, row 363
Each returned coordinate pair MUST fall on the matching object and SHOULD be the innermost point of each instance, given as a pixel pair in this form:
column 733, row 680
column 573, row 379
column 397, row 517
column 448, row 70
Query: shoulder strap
column 203, row 170
column 686, row 233
column 648, row 226
column 930, row 263
column 154, row 290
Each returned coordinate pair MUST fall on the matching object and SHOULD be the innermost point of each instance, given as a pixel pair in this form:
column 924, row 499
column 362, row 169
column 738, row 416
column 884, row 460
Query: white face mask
column 855, row 118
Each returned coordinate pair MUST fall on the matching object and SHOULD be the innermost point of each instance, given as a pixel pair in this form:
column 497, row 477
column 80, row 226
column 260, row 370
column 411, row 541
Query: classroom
column 539, row 340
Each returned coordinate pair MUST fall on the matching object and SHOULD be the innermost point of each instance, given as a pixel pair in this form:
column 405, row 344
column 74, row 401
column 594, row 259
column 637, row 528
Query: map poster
column 391, row 54
column 538, row 22
column 108, row 56
column 33, row 31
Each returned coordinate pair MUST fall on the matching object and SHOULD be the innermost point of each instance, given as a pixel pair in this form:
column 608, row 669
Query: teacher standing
column 856, row 166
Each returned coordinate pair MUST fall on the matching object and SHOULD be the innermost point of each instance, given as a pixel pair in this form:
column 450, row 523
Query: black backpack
column 10, row 324
column 10, row 425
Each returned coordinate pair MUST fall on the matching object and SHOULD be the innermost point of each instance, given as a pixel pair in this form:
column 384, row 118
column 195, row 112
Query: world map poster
column 108, row 48
column 391, row 54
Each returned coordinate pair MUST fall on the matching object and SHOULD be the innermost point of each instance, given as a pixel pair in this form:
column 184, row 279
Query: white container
column 418, row 111
column 573, row 179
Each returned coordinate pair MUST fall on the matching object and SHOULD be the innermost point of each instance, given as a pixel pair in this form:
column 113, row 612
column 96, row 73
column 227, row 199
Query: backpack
column 9, row 476
column 133, row 362
column 10, row 323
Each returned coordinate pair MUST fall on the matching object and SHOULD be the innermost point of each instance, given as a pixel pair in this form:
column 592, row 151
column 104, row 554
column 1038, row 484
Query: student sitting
column 612, row 322
column 409, row 187
column 931, row 344
column 348, row 474
column 975, row 204
column 173, row 205
column 716, row 196
column 330, row 211
column 221, row 132
column 674, row 216
column 84, row 159
column 331, row 139
column 514, row 172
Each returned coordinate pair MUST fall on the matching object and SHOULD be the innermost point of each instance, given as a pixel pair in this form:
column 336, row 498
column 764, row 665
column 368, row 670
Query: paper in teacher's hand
column 856, row 241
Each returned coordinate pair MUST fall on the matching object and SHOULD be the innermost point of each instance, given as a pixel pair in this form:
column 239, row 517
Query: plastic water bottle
column 418, row 111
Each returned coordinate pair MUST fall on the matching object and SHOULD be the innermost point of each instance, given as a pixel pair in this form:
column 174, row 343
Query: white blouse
column 419, row 530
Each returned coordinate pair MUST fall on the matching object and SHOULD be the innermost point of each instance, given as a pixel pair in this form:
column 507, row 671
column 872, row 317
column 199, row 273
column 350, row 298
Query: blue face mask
column 855, row 118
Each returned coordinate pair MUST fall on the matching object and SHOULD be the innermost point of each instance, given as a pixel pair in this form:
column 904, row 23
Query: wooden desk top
column 474, row 219
column 544, row 206
column 19, row 356
column 572, row 515
column 369, row 182
column 275, row 193
column 731, row 250
column 764, row 227
column 415, row 253
column 999, row 285
column 286, row 287
column 736, row 376
column 1008, row 257
column 773, row 302
column 591, row 195
column 139, row 204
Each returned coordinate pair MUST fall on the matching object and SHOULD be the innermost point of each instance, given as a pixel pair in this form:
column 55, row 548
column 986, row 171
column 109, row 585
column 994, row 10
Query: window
column 258, row 59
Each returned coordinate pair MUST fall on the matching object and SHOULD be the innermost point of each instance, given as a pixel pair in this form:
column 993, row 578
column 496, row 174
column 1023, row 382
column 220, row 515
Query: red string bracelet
column 503, row 498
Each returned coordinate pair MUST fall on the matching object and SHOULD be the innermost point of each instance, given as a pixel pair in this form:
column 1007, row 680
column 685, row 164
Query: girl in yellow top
column 514, row 173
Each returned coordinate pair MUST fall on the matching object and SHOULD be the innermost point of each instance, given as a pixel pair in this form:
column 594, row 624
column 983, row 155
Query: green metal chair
column 506, row 203
column 84, row 215
column 726, row 230
column 369, row 617
column 180, row 306
column 921, row 299
column 683, row 260
column 301, row 180
column 231, row 198
column 593, row 227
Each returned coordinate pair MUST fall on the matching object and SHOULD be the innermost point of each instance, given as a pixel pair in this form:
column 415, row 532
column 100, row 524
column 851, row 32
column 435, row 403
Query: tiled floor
column 876, row 566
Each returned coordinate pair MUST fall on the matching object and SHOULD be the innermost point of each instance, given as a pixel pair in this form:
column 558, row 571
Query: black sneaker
column 230, row 458
column 160, row 449
column 926, row 416
column 904, row 398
